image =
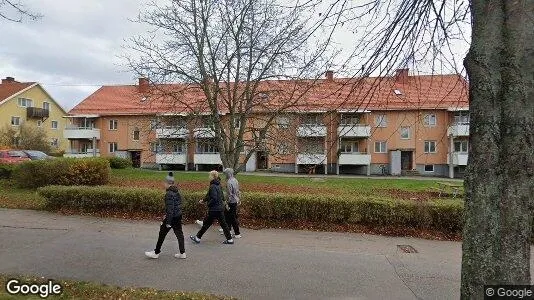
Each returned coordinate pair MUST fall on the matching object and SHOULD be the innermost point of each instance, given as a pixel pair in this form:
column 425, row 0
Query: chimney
column 329, row 75
column 143, row 84
column 402, row 75
column 8, row 79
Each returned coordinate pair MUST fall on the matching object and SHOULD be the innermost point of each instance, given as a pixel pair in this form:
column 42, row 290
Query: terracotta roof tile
column 11, row 88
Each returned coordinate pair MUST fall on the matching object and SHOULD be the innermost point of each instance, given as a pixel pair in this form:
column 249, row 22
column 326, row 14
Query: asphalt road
column 264, row 264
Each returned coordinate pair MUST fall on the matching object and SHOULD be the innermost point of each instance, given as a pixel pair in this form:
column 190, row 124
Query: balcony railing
column 203, row 132
column 171, row 158
column 354, row 159
column 460, row 129
column 354, row 130
column 207, row 158
column 172, row 133
column 311, row 159
column 82, row 154
column 317, row 130
column 458, row 158
column 74, row 132
column 36, row 112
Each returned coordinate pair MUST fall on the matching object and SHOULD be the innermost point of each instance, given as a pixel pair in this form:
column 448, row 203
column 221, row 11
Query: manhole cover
column 407, row 248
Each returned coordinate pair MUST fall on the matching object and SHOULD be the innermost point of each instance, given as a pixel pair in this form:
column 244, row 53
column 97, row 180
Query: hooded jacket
column 173, row 204
column 215, row 196
column 232, row 185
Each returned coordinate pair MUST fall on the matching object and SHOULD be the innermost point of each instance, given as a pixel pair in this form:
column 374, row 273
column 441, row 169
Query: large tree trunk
column 499, row 179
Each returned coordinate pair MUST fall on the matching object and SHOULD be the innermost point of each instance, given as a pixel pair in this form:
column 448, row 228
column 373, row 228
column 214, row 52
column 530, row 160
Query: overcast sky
column 73, row 49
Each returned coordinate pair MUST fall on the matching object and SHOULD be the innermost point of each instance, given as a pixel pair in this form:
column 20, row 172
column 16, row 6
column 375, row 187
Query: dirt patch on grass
column 420, row 196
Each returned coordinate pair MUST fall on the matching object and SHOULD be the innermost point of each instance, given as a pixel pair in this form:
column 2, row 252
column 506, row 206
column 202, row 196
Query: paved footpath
column 264, row 264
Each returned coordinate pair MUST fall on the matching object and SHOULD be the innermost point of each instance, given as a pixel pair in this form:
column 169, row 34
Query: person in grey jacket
column 173, row 219
column 214, row 199
column 234, row 199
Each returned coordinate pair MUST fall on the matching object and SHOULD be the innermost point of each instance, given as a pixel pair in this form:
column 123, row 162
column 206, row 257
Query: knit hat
column 170, row 178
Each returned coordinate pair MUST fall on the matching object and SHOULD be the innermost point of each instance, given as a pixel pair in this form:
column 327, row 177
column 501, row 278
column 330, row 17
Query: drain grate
column 407, row 248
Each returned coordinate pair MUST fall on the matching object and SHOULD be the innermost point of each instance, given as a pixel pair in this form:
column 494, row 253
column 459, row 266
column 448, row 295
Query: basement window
column 429, row 168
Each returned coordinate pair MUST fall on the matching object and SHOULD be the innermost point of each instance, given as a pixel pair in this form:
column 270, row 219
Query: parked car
column 13, row 157
column 36, row 155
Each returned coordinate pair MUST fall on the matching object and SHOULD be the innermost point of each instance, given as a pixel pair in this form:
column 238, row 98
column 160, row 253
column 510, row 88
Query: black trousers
column 231, row 217
column 163, row 230
column 208, row 220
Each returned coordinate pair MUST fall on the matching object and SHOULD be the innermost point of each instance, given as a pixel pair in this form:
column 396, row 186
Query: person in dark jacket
column 173, row 219
column 214, row 199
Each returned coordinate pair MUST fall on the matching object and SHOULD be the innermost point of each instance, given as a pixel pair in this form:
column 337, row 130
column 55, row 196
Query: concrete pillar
column 451, row 154
column 296, row 168
column 94, row 146
column 369, row 170
column 337, row 168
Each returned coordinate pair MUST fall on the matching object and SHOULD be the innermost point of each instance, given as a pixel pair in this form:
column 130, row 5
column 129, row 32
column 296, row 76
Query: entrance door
column 261, row 159
column 136, row 159
column 406, row 160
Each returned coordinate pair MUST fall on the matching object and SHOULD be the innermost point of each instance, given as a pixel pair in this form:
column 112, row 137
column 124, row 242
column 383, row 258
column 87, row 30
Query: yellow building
column 28, row 102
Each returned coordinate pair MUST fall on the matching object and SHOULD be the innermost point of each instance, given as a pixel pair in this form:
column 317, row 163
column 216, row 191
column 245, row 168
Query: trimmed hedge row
column 6, row 171
column 443, row 215
column 62, row 171
column 119, row 163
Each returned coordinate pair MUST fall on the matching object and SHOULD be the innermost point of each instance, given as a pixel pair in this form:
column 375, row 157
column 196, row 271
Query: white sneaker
column 220, row 230
column 238, row 236
column 151, row 254
column 199, row 223
column 180, row 255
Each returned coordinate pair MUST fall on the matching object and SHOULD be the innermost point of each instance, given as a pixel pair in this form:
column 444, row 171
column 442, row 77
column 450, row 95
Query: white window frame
column 206, row 148
column 26, row 100
column 178, row 148
column 52, row 124
column 112, row 147
column 409, row 131
column 312, row 120
column 138, row 135
column 433, row 169
column 385, row 150
column 350, row 119
column 428, row 118
column 459, row 115
column 462, row 142
column 381, row 121
column 352, row 144
column 47, row 104
column 113, row 124
column 429, row 147
column 283, row 122
column 283, row 148
column 13, row 118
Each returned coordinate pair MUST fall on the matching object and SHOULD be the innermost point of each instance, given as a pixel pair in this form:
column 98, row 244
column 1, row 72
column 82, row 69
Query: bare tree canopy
column 16, row 11
column 227, row 50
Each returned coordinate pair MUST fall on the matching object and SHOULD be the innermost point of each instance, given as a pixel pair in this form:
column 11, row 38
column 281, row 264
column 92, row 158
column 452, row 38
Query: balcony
column 458, row 158
column 172, row 133
column 356, row 130
column 458, row 130
column 207, row 158
column 36, row 112
column 72, row 132
column 203, row 132
column 311, row 131
column 311, row 159
column 88, row 153
column 171, row 158
column 354, row 159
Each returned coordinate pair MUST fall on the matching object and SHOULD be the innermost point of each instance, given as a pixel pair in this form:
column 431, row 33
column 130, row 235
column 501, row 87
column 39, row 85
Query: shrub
column 119, row 163
column 443, row 215
column 6, row 171
column 62, row 171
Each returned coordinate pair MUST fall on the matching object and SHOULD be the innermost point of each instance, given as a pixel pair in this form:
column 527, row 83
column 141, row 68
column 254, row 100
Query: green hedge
column 445, row 215
column 119, row 163
column 62, row 171
column 6, row 171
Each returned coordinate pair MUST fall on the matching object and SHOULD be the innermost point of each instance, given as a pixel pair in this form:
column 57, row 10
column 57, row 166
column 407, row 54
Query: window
column 112, row 147
column 54, row 142
column 283, row 122
column 46, row 105
column 461, row 118
column 178, row 148
column 237, row 122
column 155, row 147
column 349, row 147
column 350, row 119
column 429, row 120
column 154, row 123
column 113, row 124
column 430, row 146
column 136, row 134
column 283, row 148
column 405, row 133
column 461, row 146
column 381, row 121
column 54, row 124
column 24, row 102
column 207, row 147
column 15, row 121
column 312, row 119
column 429, row 168
column 380, row 147
column 39, row 123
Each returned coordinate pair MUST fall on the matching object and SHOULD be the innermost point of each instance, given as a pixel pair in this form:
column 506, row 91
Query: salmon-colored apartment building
column 398, row 125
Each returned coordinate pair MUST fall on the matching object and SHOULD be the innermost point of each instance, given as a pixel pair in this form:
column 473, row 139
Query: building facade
column 407, row 125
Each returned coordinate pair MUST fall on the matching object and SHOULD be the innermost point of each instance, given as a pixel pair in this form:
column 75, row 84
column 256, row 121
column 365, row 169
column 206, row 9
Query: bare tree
column 16, row 11
column 228, row 57
column 27, row 137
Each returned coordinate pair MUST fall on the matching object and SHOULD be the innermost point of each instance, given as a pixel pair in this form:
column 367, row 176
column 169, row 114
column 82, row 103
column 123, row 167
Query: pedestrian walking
column 173, row 219
column 234, row 199
column 214, row 200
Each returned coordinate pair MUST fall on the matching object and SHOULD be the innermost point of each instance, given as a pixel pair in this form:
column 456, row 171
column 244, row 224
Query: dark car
column 13, row 157
column 36, row 155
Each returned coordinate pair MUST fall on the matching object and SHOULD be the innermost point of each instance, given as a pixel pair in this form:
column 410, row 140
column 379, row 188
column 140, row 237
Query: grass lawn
column 14, row 197
column 85, row 290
